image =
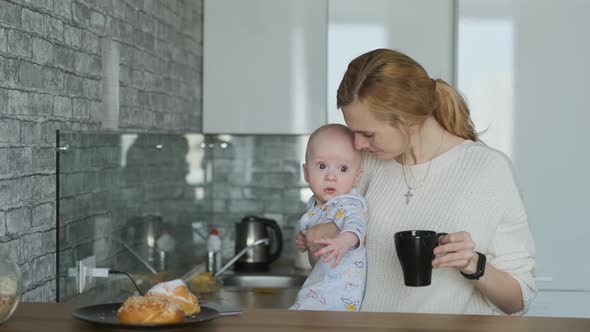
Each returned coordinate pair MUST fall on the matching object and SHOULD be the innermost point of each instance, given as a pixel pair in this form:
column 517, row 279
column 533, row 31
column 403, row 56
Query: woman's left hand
column 458, row 251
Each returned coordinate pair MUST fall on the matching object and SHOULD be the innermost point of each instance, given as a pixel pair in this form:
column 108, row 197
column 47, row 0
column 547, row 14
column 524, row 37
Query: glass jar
column 9, row 286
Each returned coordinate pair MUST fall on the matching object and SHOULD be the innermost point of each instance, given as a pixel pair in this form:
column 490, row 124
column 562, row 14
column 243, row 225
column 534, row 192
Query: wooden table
column 54, row 317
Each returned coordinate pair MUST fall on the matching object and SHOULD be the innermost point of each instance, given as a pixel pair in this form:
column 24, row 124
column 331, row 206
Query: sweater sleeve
column 512, row 248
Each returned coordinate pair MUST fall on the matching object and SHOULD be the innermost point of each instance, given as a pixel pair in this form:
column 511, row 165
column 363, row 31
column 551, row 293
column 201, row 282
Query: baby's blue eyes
column 322, row 166
column 343, row 169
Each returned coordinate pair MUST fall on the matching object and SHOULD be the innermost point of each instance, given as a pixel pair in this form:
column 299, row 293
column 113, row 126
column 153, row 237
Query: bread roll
column 204, row 282
column 178, row 292
column 149, row 310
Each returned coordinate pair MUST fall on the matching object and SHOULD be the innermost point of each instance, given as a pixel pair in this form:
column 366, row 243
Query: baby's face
column 332, row 169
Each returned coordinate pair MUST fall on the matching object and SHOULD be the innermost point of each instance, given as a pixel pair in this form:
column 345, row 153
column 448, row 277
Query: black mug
column 415, row 253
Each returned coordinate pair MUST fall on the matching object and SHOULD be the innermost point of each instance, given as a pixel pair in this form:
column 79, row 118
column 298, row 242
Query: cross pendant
column 408, row 196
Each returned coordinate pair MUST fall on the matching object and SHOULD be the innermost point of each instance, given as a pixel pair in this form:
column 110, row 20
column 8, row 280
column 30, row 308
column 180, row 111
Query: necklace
column 409, row 194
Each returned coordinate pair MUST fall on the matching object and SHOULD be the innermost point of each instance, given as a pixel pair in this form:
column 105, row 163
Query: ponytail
column 452, row 112
column 398, row 90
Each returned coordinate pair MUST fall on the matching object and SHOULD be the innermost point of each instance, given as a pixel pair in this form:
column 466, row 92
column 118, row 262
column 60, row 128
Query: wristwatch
column 481, row 268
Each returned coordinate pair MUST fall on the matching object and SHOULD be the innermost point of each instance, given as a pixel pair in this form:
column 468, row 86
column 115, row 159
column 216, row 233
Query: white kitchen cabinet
column 273, row 67
column 422, row 29
column 264, row 66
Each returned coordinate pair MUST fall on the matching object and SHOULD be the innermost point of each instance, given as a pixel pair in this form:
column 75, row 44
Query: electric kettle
column 258, row 258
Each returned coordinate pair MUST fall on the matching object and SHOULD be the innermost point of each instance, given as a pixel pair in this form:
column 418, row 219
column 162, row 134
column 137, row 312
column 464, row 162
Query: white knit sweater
column 469, row 188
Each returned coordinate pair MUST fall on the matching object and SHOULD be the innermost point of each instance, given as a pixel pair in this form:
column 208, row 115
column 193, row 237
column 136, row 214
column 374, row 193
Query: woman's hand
column 321, row 231
column 457, row 250
column 307, row 242
column 301, row 241
column 335, row 248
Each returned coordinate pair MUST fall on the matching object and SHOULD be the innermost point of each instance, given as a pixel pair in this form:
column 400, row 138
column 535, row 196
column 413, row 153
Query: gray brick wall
column 50, row 78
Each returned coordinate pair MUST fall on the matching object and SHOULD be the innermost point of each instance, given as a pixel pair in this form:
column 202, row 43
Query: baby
column 332, row 168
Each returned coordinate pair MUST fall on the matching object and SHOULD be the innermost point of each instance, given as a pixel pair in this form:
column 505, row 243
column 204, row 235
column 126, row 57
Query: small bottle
column 165, row 245
column 166, row 242
column 213, row 251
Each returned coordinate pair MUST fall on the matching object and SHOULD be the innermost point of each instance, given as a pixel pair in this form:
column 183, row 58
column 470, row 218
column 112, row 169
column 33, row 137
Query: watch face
column 481, row 264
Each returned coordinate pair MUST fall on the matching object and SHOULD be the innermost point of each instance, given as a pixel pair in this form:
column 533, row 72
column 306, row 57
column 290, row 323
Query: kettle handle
column 278, row 236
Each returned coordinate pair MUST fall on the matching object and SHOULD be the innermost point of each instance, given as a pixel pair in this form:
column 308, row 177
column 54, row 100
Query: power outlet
column 86, row 279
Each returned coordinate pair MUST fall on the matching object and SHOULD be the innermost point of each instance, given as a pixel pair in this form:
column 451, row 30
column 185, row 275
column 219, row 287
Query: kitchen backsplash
column 119, row 190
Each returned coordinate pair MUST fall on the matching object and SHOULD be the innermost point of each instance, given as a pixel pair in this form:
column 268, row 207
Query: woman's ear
column 305, row 177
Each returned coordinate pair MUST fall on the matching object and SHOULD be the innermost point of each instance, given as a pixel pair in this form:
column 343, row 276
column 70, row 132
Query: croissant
column 178, row 292
column 149, row 310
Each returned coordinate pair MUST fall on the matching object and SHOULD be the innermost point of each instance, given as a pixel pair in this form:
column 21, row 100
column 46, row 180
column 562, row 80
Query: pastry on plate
column 178, row 292
column 204, row 282
column 149, row 310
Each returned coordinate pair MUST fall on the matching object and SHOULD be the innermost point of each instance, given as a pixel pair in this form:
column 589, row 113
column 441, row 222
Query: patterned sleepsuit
column 340, row 288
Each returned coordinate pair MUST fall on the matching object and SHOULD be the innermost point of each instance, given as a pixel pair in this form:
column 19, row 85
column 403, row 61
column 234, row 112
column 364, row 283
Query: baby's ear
column 358, row 177
column 305, row 177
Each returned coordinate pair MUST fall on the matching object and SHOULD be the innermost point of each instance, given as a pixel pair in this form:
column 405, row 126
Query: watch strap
column 481, row 267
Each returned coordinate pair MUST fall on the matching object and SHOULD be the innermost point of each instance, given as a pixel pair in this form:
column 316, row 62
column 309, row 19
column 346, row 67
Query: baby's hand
column 301, row 242
column 336, row 247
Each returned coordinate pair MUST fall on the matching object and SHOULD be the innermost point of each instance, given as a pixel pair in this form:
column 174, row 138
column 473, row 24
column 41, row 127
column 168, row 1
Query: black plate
column 106, row 315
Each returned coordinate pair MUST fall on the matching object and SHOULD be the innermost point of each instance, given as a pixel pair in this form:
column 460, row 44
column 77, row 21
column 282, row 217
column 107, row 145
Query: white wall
column 524, row 68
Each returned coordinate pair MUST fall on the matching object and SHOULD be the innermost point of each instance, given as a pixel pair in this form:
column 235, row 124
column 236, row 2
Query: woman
column 424, row 168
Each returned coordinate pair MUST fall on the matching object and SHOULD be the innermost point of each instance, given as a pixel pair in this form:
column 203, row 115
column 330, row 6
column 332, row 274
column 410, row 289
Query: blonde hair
column 398, row 90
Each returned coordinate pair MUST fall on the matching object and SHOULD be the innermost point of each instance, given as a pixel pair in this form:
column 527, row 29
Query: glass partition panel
column 143, row 203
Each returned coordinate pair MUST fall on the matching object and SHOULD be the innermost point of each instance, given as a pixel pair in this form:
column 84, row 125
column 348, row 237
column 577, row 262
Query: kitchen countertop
column 55, row 317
